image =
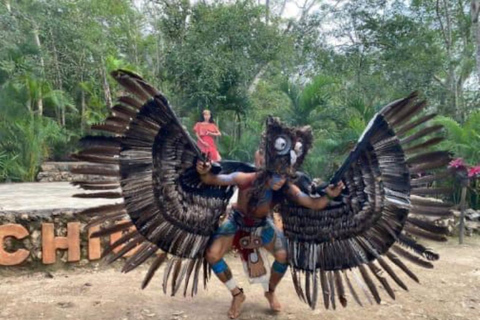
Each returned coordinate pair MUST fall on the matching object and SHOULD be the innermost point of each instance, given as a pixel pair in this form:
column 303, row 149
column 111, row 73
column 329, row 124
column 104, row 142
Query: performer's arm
column 305, row 200
column 235, row 178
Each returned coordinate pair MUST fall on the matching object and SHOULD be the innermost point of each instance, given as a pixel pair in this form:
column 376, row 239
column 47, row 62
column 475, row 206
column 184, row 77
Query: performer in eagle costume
column 338, row 239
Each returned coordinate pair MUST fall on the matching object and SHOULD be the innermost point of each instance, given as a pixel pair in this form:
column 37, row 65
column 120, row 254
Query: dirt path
column 451, row 291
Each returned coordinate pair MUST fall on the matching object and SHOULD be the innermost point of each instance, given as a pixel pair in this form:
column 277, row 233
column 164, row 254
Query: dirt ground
column 450, row 291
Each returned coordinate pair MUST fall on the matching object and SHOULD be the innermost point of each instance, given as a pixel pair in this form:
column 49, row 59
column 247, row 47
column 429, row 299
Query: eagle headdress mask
column 285, row 147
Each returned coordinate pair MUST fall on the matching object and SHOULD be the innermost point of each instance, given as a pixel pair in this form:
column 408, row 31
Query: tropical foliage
column 330, row 65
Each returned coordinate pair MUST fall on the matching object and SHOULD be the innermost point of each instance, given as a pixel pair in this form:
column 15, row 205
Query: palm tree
column 463, row 139
column 310, row 105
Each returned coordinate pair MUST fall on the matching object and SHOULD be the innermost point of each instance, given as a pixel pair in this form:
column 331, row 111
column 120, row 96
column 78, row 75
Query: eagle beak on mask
column 293, row 157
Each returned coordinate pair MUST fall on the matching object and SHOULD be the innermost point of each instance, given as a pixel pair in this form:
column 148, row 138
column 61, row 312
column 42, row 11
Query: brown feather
column 352, row 290
column 96, row 170
column 175, row 275
column 431, row 191
column 125, row 249
column 94, row 182
column 409, row 126
column 371, row 286
column 166, row 274
column 307, row 289
column 131, row 102
column 427, row 157
column 412, row 258
column 408, row 113
column 392, row 274
column 332, row 289
column 109, row 208
column 424, row 234
column 362, row 286
column 141, row 255
column 428, row 226
column 429, row 202
column 123, row 239
column 325, row 289
column 112, row 216
column 340, row 288
column 297, row 284
column 96, row 187
column 198, row 264
column 112, row 229
column 134, row 83
column 315, row 290
column 153, row 268
column 421, row 133
column 124, row 111
column 108, row 128
column 430, row 178
column 392, row 109
column 101, row 151
column 432, row 164
column 94, row 195
column 379, row 275
column 191, row 265
column 424, row 145
column 99, row 142
column 95, row 159
column 133, row 86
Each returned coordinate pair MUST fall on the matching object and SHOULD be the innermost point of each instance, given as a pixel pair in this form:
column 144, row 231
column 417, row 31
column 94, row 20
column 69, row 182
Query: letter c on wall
column 12, row 258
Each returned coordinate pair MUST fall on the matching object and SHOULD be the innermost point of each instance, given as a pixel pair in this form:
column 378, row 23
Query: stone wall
column 47, row 240
column 61, row 172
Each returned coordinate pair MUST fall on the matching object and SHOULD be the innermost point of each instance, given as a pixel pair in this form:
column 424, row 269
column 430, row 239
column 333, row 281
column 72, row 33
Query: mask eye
column 298, row 148
column 282, row 145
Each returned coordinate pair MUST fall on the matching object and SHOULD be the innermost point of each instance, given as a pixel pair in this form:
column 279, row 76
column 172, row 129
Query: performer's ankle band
column 219, row 267
column 279, row 267
column 231, row 284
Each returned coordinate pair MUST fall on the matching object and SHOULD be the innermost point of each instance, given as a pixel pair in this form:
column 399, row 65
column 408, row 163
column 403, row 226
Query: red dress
column 201, row 129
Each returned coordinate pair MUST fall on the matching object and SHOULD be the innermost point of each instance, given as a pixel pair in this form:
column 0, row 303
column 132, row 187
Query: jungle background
column 330, row 64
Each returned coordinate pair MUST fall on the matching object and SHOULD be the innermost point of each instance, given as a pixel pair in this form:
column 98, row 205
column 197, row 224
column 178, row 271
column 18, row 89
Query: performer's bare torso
column 262, row 210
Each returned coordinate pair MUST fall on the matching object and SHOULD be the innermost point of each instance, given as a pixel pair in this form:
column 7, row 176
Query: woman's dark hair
column 202, row 118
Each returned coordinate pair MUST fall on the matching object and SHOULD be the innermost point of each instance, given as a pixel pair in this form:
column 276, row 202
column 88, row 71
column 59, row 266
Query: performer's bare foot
column 236, row 307
column 272, row 299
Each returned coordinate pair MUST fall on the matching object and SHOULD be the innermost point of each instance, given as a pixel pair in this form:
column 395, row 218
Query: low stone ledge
column 61, row 172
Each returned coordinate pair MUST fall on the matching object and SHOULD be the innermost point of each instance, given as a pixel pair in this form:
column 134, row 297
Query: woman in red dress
column 206, row 130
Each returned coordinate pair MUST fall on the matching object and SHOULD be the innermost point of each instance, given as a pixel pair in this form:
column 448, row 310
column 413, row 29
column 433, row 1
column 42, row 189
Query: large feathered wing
column 376, row 220
column 147, row 161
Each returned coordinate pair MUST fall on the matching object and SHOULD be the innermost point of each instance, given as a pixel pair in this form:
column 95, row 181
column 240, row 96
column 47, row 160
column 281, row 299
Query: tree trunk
column 42, row 64
column 475, row 9
column 267, row 11
column 84, row 108
column 9, row 7
column 59, row 81
column 106, row 88
column 258, row 77
column 462, row 211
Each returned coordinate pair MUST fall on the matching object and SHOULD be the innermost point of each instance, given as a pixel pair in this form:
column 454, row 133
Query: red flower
column 474, row 171
column 457, row 164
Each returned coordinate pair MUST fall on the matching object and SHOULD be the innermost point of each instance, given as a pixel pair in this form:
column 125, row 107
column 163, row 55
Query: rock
column 65, row 305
